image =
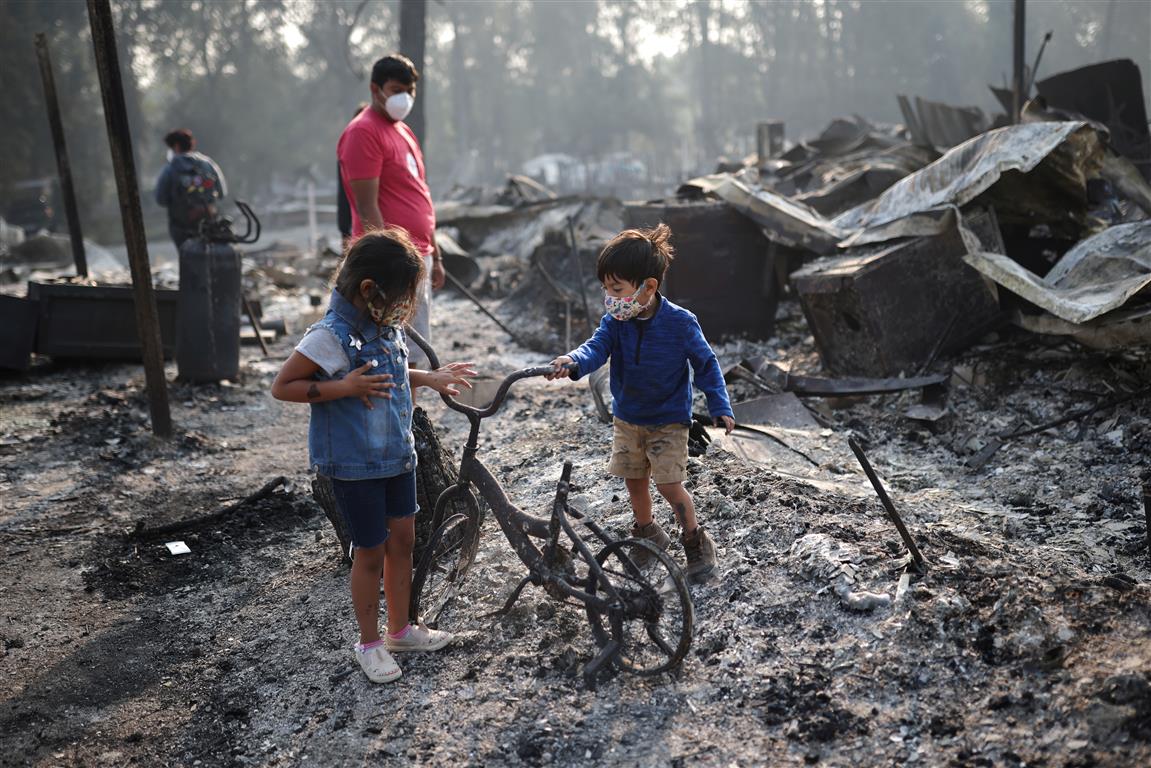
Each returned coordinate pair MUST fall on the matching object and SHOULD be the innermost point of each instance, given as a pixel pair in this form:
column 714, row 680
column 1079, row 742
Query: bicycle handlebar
column 501, row 392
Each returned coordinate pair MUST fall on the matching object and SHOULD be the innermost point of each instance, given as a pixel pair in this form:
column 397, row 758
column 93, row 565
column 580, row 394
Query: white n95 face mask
column 399, row 105
column 170, row 155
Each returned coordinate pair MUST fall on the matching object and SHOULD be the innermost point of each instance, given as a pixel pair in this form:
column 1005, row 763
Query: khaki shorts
column 637, row 452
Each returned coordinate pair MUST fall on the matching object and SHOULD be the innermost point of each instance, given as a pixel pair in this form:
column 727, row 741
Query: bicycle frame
column 519, row 527
column 549, row 565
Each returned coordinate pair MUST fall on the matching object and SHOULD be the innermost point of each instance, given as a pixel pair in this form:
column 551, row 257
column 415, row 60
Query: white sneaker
column 419, row 638
column 378, row 664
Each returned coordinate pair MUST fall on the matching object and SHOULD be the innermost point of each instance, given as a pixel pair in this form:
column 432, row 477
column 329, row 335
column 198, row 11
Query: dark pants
column 180, row 234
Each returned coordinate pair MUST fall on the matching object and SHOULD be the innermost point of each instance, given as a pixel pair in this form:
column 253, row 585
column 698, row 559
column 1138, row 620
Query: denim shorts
column 367, row 505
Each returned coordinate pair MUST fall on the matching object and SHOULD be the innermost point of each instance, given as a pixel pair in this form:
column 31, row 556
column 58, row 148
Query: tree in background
column 267, row 85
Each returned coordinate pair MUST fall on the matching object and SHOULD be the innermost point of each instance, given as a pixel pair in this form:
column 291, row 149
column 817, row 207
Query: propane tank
column 208, row 327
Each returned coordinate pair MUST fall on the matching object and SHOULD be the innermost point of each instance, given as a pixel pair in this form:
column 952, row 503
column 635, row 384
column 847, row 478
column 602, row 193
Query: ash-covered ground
column 1027, row 642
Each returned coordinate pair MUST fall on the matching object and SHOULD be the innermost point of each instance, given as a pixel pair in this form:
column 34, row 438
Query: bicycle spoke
column 657, row 638
column 654, row 615
column 440, row 573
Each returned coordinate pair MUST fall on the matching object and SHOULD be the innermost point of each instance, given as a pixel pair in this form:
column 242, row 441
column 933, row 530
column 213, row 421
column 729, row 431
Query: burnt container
column 722, row 271
column 17, row 332
column 208, row 342
column 96, row 321
column 883, row 310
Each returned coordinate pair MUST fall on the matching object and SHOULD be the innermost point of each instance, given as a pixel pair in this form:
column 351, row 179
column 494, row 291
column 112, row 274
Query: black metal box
column 96, row 321
column 722, row 270
column 17, row 331
column 885, row 310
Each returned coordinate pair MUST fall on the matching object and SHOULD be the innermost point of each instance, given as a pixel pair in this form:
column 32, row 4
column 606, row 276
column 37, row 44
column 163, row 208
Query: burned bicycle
column 635, row 596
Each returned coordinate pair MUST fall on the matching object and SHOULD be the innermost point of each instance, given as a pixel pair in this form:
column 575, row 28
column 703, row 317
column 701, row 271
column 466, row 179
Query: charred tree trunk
column 705, row 125
column 461, row 110
column 413, row 37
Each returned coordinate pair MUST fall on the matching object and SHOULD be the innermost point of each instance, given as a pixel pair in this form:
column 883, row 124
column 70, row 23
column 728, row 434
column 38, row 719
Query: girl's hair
column 635, row 255
column 387, row 257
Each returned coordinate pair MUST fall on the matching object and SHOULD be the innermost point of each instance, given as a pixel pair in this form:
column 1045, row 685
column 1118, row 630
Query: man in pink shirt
column 384, row 178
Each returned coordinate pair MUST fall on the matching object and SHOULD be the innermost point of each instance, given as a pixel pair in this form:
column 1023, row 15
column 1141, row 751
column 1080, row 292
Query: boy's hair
column 395, row 66
column 180, row 139
column 387, row 257
column 635, row 255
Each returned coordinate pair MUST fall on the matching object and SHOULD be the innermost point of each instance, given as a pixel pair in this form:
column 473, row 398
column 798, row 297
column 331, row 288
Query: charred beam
column 63, row 166
column 124, row 166
column 917, row 559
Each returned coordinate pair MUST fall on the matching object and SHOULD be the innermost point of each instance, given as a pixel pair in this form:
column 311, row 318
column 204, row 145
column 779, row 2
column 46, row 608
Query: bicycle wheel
column 653, row 622
column 446, row 559
column 436, row 471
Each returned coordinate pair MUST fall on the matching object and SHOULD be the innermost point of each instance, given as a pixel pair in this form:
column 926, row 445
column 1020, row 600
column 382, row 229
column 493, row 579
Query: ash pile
column 966, row 300
column 967, row 282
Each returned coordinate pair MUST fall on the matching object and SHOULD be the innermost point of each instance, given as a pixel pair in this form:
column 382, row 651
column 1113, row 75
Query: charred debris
column 912, row 252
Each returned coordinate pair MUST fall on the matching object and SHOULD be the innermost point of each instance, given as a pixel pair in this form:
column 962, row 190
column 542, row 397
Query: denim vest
column 346, row 439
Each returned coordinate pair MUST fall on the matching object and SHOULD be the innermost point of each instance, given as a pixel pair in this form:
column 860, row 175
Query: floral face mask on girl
column 625, row 307
column 389, row 315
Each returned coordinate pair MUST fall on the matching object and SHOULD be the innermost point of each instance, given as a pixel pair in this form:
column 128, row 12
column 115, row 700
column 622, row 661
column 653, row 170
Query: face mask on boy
column 625, row 307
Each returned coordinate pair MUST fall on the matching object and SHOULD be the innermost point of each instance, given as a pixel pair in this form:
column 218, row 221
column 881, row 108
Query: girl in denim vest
column 352, row 368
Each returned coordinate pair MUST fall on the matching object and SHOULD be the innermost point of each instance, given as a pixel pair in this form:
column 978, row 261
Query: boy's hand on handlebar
column 364, row 385
column 449, row 377
column 726, row 422
column 563, row 367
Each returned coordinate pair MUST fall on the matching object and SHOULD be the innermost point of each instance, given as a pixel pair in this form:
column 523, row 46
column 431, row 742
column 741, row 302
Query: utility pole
column 63, row 166
column 124, row 166
column 1019, row 95
column 413, row 40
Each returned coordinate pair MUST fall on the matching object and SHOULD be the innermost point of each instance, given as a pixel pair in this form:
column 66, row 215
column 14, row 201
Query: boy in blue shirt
column 654, row 346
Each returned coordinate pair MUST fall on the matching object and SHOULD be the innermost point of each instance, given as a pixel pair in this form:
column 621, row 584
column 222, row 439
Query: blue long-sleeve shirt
column 651, row 365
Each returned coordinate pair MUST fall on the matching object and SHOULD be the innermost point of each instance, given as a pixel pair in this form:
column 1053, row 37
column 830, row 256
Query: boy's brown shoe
column 700, row 551
column 653, row 533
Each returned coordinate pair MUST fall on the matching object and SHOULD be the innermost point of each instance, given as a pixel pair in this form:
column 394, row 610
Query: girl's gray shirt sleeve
column 322, row 347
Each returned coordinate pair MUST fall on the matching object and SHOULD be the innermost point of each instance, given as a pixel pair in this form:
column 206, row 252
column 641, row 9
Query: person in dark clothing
column 190, row 186
column 343, row 207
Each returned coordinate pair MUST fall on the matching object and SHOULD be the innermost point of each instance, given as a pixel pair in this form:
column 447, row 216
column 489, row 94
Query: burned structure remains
column 932, row 514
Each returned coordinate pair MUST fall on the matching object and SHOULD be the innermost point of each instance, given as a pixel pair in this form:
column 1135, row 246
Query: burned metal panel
column 1110, row 92
column 935, row 124
column 722, row 270
column 783, row 409
column 1100, row 274
column 911, row 120
column 768, row 139
column 783, row 220
column 90, row 321
column 1031, row 174
column 885, row 311
column 17, row 332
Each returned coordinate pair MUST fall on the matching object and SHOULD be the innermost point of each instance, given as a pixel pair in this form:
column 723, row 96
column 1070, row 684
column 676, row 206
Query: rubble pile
column 975, row 316
column 1025, row 641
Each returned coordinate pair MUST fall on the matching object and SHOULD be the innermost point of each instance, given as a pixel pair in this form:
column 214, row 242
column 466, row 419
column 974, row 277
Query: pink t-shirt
column 373, row 147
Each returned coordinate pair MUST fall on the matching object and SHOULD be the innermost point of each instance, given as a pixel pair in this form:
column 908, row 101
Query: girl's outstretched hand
column 366, row 385
column 449, row 377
